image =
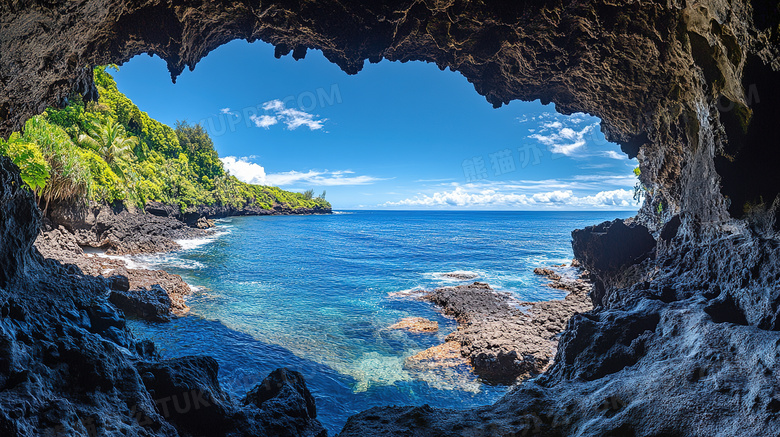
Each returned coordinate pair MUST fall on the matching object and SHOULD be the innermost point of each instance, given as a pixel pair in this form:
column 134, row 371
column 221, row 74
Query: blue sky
column 394, row 136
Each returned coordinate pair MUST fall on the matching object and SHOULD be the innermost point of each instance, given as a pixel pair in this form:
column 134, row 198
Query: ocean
column 316, row 294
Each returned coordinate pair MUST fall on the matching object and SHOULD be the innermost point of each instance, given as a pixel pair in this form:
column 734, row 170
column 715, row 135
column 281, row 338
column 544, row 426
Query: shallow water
column 317, row 293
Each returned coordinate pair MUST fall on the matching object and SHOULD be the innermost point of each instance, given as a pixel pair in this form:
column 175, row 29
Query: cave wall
column 685, row 337
column 665, row 77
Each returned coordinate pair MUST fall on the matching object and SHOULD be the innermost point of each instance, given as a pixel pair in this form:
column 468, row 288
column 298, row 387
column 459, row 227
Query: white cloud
column 253, row 173
column 562, row 140
column 225, row 111
column 244, row 170
column 476, row 197
column 265, row 121
column 319, row 178
column 614, row 155
column 292, row 118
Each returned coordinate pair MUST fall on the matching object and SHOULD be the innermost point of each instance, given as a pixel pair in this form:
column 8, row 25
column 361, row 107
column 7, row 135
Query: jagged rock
column 689, row 88
column 287, row 390
column 610, row 251
column 460, row 276
column 201, row 216
column 500, row 340
column 151, row 304
column 120, row 231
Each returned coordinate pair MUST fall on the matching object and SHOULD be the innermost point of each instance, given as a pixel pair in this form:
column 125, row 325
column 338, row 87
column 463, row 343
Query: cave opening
column 522, row 156
column 748, row 165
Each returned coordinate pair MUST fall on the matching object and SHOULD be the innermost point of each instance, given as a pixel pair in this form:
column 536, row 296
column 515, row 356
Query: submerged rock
column 417, row 325
column 460, row 276
column 70, row 366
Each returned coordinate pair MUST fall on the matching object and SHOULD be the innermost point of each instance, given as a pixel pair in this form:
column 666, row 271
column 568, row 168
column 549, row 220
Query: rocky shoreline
column 69, row 365
column 152, row 295
column 501, row 338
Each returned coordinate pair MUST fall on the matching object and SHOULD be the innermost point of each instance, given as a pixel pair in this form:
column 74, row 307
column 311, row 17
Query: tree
column 109, row 139
column 322, row 196
column 33, row 168
column 196, row 143
column 69, row 178
column 308, row 194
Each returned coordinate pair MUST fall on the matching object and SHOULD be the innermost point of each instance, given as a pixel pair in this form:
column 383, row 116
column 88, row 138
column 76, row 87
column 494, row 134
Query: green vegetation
column 639, row 188
column 109, row 150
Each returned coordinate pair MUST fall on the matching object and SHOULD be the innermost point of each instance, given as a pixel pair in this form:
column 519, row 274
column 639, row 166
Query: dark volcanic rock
column 610, row 251
column 201, row 216
column 119, row 231
column 149, row 304
column 70, row 366
column 136, row 291
column 287, row 389
column 500, row 340
column 680, row 344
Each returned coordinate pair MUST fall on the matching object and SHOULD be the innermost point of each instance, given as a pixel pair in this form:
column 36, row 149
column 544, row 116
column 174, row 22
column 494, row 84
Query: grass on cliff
column 110, row 150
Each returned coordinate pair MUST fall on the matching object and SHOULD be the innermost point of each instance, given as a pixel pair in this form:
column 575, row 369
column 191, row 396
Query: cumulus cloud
column 225, row 111
column 465, row 197
column 253, row 173
column 563, row 140
column 244, row 170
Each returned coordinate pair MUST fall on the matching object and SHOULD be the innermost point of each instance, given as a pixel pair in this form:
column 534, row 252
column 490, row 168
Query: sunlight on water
column 318, row 293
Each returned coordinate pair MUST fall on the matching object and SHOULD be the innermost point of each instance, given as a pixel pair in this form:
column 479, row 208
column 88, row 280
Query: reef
column 683, row 338
column 503, row 339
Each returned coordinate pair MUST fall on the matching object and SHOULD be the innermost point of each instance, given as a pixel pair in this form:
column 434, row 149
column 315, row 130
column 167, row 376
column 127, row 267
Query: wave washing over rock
column 69, row 365
column 683, row 338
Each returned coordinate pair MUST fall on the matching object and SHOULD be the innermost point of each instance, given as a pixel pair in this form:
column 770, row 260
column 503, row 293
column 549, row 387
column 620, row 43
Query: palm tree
column 111, row 142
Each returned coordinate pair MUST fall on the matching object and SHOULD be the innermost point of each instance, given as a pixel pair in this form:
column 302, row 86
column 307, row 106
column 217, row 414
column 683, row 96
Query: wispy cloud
column 614, row 155
column 291, row 117
column 246, row 171
column 265, row 121
column 319, row 178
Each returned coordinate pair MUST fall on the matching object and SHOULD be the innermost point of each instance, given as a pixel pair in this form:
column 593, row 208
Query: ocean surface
column 316, row 294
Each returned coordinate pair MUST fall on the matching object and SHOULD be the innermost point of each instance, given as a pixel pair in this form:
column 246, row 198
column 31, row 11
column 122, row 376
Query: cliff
column 684, row 336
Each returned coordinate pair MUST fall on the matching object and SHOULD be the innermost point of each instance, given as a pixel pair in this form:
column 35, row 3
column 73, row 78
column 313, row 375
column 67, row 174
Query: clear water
column 317, row 293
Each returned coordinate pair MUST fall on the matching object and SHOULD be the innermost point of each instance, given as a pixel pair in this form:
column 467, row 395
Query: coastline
column 110, row 232
column 504, row 340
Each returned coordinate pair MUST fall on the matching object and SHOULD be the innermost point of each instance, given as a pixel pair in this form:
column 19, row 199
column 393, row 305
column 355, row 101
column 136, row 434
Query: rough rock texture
column 689, row 87
column 195, row 216
column 153, row 295
column 120, row 231
column 504, row 339
column 69, row 365
column 614, row 252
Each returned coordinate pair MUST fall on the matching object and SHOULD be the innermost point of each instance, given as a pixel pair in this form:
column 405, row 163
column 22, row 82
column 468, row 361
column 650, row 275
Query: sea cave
column 680, row 333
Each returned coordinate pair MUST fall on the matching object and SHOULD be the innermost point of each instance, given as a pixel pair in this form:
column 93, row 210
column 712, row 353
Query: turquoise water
column 317, row 293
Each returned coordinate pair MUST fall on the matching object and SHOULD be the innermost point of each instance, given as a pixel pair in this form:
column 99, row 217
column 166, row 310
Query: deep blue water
column 317, row 293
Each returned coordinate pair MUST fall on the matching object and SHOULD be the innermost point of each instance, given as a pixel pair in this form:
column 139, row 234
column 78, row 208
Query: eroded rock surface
column 502, row 338
column 70, row 366
column 154, row 295
column 683, row 343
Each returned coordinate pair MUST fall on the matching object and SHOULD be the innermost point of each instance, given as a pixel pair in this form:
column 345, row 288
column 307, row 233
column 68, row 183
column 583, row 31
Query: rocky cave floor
column 684, row 335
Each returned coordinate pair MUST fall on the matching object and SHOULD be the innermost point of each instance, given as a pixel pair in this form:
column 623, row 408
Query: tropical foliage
column 110, row 150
